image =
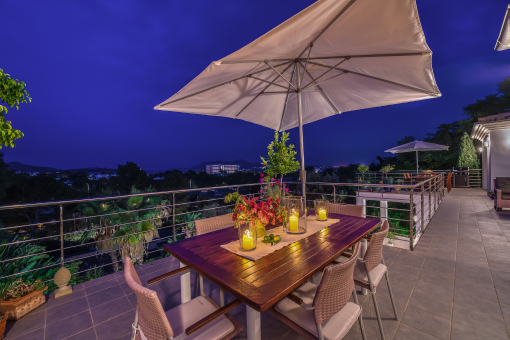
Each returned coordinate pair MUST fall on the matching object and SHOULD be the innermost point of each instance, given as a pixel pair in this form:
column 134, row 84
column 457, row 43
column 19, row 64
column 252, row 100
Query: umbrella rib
column 224, row 83
column 288, row 82
column 380, row 79
column 261, row 92
column 324, row 94
column 329, row 25
column 287, row 99
column 325, row 80
column 413, row 54
column 267, row 81
column 306, row 65
column 331, row 68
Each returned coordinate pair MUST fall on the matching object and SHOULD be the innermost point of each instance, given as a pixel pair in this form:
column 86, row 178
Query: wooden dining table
column 262, row 283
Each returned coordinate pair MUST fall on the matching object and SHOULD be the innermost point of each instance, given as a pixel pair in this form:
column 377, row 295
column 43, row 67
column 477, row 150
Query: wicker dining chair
column 370, row 270
column 323, row 311
column 200, row 318
column 345, row 209
column 205, row 226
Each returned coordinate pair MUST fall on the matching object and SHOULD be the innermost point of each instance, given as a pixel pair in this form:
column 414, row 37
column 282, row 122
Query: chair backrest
column 345, row 209
column 373, row 256
column 502, row 183
column 449, row 181
column 335, row 288
column 207, row 225
column 151, row 316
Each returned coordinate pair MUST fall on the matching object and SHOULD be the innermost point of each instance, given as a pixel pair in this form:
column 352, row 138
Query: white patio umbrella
column 334, row 56
column 503, row 42
column 416, row 146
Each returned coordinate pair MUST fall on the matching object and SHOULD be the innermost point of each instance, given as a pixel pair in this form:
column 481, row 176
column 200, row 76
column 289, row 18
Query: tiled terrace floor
column 455, row 285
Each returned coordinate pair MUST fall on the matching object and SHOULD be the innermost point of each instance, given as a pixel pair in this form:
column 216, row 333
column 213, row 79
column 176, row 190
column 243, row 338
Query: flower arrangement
column 252, row 209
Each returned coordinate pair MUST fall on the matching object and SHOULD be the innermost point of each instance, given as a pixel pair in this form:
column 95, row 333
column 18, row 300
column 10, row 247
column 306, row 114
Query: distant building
column 221, row 168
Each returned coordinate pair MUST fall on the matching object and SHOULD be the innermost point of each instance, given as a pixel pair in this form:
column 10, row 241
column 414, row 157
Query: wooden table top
column 262, row 283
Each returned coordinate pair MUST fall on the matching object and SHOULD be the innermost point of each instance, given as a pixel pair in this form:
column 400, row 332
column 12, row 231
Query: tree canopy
column 13, row 93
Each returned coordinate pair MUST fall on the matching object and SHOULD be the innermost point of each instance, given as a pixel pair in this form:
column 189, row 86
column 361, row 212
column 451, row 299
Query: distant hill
column 242, row 163
column 17, row 166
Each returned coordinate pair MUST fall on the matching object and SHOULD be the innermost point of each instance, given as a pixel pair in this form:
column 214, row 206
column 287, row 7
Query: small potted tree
column 362, row 168
column 18, row 298
column 399, row 182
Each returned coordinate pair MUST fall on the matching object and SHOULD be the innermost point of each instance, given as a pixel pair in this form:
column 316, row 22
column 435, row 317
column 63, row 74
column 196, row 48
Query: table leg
column 253, row 324
column 185, row 286
column 364, row 246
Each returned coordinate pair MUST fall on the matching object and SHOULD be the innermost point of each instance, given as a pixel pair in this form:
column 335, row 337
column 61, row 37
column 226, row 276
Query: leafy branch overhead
column 281, row 159
column 13, row 93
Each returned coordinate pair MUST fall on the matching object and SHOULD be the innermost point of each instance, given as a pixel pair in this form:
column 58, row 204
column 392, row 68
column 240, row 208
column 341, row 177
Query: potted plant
column 399, row 182
column 377, row 188
column 3, row 322
column 390, row 237
column 491, row 194
column 385, row 169
column 362, row 168
column 18, row 298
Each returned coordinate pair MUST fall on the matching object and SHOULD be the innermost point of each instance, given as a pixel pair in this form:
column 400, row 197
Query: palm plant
column 126, row 226
column 189, row 219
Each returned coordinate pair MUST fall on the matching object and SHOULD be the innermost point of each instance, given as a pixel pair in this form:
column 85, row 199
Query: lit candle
column 247, row 240
column 293, row 223
column 322, row 215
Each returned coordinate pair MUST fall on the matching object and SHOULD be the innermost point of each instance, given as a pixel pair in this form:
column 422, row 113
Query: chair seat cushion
column 185, row 315
column 505, row 196
column 334, row 328
column 361, row 277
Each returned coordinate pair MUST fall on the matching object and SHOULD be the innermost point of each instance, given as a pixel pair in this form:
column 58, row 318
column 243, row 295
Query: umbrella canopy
column 503, row 42
column 334, row 56
column 416, row 146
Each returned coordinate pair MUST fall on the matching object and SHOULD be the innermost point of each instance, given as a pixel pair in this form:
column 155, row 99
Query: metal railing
column 475, row 176
column 67, row 235
column 407, row 207
column 65, row 221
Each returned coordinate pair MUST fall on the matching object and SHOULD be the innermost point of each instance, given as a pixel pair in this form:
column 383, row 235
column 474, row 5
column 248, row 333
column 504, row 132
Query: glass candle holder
column 321, row 210
column 296, row 215
column 248, row 235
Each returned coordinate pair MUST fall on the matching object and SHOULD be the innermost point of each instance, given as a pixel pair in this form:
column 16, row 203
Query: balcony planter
column 388, row 181
column 17, row 308
column 3, row 321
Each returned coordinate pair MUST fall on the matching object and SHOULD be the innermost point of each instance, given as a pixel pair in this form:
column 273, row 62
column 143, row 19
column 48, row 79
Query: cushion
column 503, row 184
column 505, row 196
column 361, row 277
column 186, row 314
column 334, row 328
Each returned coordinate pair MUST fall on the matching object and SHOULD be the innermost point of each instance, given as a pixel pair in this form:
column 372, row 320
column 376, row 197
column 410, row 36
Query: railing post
column 411, row 219
column 435, row 194
column 61, row 234
column 173, row 217
column 422, row 209
column 430, row 204
column 334, row 193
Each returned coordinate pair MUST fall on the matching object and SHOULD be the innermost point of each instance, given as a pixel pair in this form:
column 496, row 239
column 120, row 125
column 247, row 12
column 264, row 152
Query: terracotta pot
column 17, row 308
column 3, row 321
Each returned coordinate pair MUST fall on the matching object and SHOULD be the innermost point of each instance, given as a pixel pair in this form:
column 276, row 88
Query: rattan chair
column 323, row 311
column 200, row 318
column 369, row 272
column 345, row 209
column 205, row 226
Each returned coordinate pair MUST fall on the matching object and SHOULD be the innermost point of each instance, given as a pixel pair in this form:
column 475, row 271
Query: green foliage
column 387, row 168
column 280, row 157
column 16, row 289
column 362, row 168
column 13, row 93
column 189, row 219
column 468, row 156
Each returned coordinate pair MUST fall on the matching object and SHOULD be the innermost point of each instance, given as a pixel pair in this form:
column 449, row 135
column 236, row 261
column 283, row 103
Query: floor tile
column 70, row 326
column 482, row 322
column 461, row 332
column 478, row 304
column 406, row 332
column 26, row 324
column 88, row 334
column 66, row 310
column 426, row 322
column 104, row 296
column 476, row 289
column 116, row 327
column 110, row 310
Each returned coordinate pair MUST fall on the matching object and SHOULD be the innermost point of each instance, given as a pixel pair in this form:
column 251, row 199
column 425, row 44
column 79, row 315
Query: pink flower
column 262, row 175
column 265, row 187
column 261, row 180
column 260, row 190
column 286, row 189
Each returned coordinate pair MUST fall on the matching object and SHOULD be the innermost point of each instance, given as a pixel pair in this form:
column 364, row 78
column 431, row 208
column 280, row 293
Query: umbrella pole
column 416, row 162
column 301, row 142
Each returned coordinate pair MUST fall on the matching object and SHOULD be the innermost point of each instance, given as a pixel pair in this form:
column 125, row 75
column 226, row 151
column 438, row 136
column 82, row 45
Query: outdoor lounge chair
column 205, row 226
column 345, row 209
column 449, row 182
column 323, row 311
column 200, row 318
column 501, row 193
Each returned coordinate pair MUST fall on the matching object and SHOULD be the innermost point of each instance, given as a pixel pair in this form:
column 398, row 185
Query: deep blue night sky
column 95, row 70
